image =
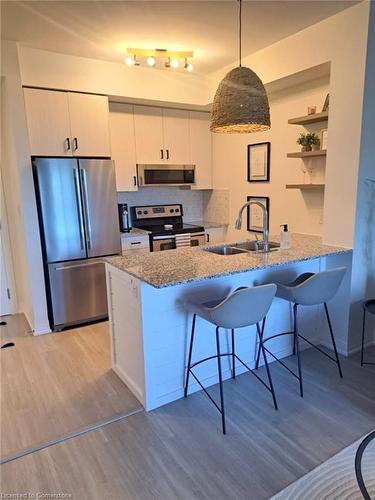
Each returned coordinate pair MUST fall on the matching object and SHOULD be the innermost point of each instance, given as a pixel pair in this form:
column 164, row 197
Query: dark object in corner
column 3, row 323
column 8, row 344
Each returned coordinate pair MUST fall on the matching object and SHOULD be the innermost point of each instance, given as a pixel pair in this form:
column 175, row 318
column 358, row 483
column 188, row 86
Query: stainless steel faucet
column 265, row 221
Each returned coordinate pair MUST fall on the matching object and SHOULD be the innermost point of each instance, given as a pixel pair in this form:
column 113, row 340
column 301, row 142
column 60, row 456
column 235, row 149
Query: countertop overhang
column 184, row 265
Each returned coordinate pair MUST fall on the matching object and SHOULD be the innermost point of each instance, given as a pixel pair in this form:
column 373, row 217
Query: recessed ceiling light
column 175, row 63
column 129, row 60
column 151, row 61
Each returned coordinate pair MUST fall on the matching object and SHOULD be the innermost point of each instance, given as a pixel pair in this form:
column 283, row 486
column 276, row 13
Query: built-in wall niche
column 314, row 124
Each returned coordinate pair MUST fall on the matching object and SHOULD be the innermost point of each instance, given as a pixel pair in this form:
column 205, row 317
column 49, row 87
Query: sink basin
column 245, row 247
column 251, row 246
column 223, row 250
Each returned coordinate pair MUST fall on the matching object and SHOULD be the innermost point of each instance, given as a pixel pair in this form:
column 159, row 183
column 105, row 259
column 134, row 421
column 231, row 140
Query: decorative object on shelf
column 308, row 142
column 258, row 162
column 240, row 103
column 324, row 138
column 326, row 103
column 170, row 58
column 255, row 214
column 311, row 110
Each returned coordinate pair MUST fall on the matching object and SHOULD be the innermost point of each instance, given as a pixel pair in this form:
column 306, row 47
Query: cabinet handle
column 135, row 242
column 161, row 154
column 135, row 180
column 167, row 154
column 75, row 141
column 207, row 237
column 67, row 142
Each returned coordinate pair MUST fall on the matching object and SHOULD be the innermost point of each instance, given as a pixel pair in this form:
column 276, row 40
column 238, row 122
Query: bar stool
column 368, row 307
column 308, row 289
column 244, row 307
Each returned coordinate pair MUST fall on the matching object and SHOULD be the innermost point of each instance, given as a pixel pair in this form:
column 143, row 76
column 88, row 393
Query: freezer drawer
column 77, row 292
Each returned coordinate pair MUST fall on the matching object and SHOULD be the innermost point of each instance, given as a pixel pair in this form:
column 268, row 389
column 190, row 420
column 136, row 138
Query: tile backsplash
column 192, row 201
column 210, row 205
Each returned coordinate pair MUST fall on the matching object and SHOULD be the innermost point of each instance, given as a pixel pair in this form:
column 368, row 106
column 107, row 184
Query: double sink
column 245, row 247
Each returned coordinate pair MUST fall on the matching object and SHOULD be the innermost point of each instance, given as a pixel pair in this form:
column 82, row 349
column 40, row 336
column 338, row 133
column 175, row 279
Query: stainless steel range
column 166, row 226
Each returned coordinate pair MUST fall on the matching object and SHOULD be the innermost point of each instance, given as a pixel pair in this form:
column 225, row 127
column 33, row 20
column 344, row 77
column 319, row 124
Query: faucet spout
column 238, row 223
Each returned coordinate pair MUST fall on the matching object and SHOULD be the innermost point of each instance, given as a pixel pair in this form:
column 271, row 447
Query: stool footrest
column 221, row 355
column 281, row 363
column 317, row 348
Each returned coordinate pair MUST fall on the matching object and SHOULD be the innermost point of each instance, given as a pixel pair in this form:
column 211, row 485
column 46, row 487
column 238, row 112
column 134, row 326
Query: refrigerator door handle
column 86, row 205
column 79, row 210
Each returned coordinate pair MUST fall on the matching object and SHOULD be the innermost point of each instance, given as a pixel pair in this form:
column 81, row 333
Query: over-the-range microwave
column 165, row 175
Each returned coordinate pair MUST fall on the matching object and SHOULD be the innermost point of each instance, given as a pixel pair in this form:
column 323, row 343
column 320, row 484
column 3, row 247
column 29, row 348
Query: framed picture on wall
column 255, row 214
column 258, row 162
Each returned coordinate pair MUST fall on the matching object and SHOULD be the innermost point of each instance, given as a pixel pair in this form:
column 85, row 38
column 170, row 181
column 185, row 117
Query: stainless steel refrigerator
column 77, row 207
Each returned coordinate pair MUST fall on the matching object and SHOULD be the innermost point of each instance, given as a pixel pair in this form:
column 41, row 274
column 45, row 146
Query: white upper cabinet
column 176, row 136
column 67, row 124
column 48, row 122
column 121, row 124
column 89, row 124
column 148, row 122
column 201, row 149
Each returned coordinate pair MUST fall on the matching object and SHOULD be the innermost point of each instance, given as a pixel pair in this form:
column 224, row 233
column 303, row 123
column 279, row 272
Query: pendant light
column 240, row 103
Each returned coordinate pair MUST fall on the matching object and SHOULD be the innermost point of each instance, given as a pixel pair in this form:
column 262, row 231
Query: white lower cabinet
column 132, row 243
column 215, row 234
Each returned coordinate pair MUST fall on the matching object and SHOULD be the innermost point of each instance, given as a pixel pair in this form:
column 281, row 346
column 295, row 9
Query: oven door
column 161, row 243
column 166, row 175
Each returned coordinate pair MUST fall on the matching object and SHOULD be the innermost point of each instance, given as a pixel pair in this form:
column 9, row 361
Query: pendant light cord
column 240, row 31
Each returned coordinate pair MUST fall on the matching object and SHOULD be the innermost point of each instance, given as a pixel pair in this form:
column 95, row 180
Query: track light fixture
column 172, row 59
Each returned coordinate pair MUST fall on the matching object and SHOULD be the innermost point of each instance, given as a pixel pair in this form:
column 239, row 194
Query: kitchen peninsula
column 150, row 329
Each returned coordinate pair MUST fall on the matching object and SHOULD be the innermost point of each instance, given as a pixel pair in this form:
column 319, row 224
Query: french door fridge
column 77, row 207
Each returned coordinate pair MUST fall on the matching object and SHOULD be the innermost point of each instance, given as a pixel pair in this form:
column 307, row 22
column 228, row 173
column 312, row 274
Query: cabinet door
column 121, row 124
column 47, row 114
column 176, row 136
column 89, row 124
column 215, row 234
column 148, row 123
column 201, row 149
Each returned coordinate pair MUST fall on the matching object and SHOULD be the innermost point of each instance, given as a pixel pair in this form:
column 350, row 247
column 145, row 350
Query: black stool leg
column 260, row 333
column 296, row 343
column 333, row 339
column 220, row 380
column 363, row 334
column 233, row 357
column 266, row 364
column 190, row 353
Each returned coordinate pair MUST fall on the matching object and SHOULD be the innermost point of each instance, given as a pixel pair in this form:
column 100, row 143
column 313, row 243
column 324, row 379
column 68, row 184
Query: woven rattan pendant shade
column 240, row 104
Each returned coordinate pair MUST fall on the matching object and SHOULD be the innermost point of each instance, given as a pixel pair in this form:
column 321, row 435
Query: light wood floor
column 56, row 384
column 178, row 451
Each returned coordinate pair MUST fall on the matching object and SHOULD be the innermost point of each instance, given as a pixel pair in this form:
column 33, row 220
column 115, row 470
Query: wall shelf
column 305, row 186
column 307, row 119
column 307, row 154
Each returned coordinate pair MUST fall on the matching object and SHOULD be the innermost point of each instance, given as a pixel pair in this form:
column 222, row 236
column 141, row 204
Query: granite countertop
column 184, row 265
column 134, row 232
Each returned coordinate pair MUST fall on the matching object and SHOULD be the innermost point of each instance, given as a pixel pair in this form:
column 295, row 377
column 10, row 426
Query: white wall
column 20, row 198
column 363, row 281
column 40, row 68
column 340, row 40
column 301, row 210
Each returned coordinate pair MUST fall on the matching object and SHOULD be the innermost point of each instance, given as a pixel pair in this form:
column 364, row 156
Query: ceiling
column 103, row 29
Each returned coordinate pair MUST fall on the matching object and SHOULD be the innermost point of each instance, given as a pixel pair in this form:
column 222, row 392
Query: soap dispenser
column 284, row 237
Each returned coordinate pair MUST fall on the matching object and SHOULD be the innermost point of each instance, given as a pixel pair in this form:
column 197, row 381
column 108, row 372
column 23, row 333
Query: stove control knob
column 145, row 212
column 177, row 209
column 139, row 212
column 171, row 210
